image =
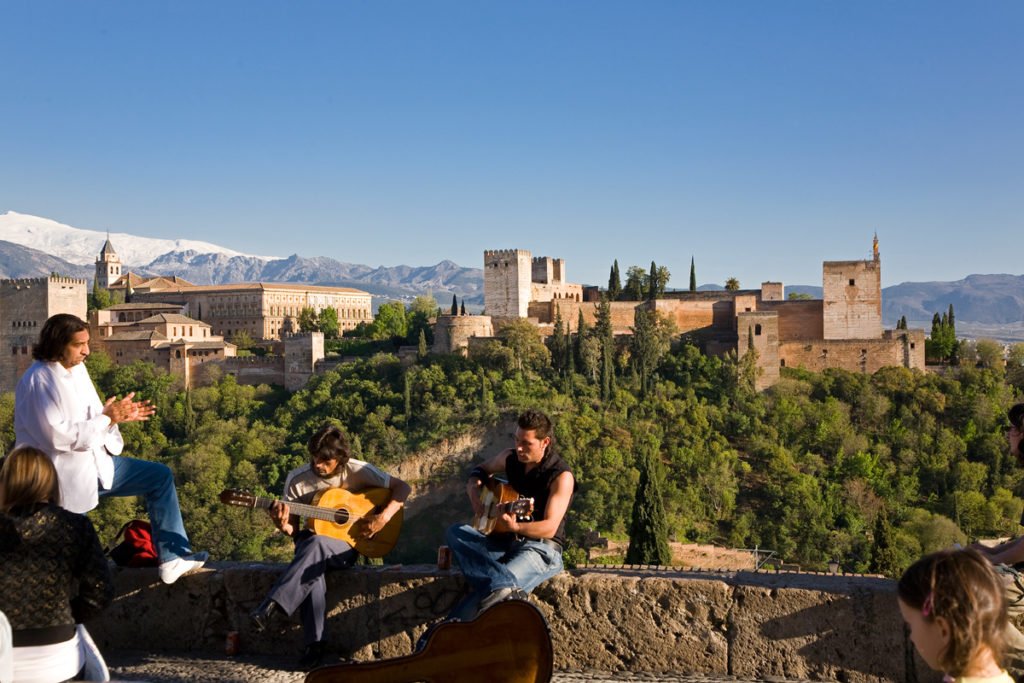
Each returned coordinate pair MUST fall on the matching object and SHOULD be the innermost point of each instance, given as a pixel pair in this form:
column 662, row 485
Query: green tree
column 421, row 345
column 605, row 334
column 614, row 282
column 693, row 276
column 648, row 530
column 243, row 340
column 529, row 352
column 390, row 321
column 308, row 319
column 455, row 304
column 990, row 353
column 100, row 298
column 329, row 323
column 799, row 296
column 732, row 285
column 636, row 277
column 652, row 282
column 462, row 311
column 558, row 343
column 652, row 337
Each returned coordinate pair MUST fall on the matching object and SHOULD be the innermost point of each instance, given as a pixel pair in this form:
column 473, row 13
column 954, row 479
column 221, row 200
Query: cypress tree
column 648, row 531
column 693, row 276
column 462, row 311
column 407, row 397
column 652, row 283
column 421, row 347
column 455, row 305
column 614, row 282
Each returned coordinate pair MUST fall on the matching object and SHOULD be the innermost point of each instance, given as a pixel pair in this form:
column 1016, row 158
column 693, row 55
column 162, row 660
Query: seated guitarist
column 303, row 585
column 517, row 556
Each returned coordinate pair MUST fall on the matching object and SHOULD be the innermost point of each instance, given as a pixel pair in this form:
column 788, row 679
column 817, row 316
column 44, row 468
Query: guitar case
column 506, row 643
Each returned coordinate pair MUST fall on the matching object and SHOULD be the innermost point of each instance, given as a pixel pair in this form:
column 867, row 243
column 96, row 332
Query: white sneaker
column 173, row 570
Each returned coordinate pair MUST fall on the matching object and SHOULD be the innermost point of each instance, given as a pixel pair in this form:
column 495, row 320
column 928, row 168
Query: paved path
column 129, row 666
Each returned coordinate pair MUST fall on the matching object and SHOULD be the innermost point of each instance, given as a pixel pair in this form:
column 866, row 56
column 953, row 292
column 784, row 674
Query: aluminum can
column 444, row 557
column 231, row 644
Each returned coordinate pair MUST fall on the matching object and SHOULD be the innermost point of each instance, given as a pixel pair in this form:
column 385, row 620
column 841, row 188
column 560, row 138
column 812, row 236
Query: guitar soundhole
column 340, row 516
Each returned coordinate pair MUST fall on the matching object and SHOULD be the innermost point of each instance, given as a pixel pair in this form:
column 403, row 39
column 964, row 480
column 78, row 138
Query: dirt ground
column 694, row 555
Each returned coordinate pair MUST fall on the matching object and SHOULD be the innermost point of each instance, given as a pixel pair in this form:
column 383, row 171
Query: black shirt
column 538, row 483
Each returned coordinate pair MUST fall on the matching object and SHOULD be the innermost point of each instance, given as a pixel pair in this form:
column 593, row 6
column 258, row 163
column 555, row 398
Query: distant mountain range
column 31, row 246
column 985, row 305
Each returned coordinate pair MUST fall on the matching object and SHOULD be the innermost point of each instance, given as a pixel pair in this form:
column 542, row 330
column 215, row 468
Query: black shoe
column 501, row 595
column 312, row 656
column 260, row 617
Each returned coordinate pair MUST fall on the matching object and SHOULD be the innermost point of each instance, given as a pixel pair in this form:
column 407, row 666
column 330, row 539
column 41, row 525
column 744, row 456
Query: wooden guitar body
column 337, row 513
column 507, row 643
column 350, row 509
column 498, row 497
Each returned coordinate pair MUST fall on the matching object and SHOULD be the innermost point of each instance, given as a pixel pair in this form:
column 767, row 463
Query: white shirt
column 302, row 483
column 59, row 412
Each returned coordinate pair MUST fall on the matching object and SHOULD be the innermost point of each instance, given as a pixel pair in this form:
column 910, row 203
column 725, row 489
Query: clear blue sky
column 759, row 137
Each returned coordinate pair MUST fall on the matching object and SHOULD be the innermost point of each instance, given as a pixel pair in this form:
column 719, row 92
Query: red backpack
column 137, row 548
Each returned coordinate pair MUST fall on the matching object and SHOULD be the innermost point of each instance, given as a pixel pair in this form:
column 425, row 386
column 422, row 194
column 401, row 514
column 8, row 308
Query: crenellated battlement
column 494, row 254
column 18, row 283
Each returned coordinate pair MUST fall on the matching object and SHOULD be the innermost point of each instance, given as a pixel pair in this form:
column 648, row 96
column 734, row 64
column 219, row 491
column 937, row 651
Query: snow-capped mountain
column 81, row 247
column 31, row 246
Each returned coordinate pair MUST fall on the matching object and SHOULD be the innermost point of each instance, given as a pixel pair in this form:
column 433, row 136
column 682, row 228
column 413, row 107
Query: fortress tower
column 507, row 277
column 108, row 266
column 24, row 306
column 853, row 298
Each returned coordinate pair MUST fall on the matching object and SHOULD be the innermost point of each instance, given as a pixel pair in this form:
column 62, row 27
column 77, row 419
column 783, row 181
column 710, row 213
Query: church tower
column 108, row 266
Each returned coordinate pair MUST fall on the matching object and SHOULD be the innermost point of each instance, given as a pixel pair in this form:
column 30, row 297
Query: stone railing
column 743, row 624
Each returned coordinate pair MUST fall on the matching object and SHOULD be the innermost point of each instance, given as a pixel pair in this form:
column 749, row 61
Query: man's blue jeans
column 498, row 561
column 153, row 481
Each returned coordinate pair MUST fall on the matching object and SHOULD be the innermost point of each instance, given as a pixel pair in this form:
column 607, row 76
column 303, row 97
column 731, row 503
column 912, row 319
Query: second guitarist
column 303, row 585
column 518, row 555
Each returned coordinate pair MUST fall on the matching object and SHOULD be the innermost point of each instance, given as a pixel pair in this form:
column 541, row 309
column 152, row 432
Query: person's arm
column 399, row 492
column 280, row 515
column 1011, row 552
column 43, row 422
column 480, row 473
column 558, row 503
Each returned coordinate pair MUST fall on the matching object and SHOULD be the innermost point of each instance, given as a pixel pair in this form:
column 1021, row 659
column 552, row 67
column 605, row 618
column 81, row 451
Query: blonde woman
column 53, row 574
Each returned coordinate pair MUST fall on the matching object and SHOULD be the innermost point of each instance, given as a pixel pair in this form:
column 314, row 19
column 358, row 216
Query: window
column 757, row 330
column 853, row 283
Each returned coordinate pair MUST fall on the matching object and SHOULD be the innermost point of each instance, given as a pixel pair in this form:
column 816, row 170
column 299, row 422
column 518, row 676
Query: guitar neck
column 301, row 509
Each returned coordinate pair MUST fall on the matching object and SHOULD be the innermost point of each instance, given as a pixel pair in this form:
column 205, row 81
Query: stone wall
column 852, row 294
column 507, row 276
column 856, row 355
column 798, row 319
column 744, row 624
column 453, row 332
column 25, row 304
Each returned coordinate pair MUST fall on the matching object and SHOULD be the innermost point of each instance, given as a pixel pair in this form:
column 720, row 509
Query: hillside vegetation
column 870, row 470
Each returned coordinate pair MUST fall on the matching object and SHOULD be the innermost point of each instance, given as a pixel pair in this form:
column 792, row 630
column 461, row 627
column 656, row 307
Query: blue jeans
column 303, row 585
column 153, row 481
column 499, row 561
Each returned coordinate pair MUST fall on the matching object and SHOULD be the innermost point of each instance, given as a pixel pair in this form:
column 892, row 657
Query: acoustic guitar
column 507, row 643
column 337, row 513
column 498, row 498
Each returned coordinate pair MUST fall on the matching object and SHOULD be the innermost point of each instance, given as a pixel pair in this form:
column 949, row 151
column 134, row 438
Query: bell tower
column 108, row 266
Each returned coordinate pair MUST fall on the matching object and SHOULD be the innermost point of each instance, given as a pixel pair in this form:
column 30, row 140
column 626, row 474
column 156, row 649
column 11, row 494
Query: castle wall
column 798, row 319
column 25, row 304
column 507, row 277
column 853, row 299
column 255, row 370
column 772, row 291
column 452, row 333
column 301, row 354
column 902, row 348
column 762, row 329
